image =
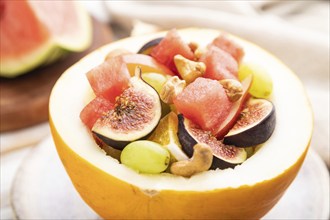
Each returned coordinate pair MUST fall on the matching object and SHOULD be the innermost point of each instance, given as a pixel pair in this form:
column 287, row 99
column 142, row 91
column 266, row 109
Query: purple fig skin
column 188, row 142
column 120, row 142
column 255, row 135
column 149, row 45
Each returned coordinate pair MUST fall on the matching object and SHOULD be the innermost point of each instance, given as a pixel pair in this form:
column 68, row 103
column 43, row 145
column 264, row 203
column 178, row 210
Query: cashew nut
column 189, row 70
column 199, row 162
column 199, row 52
column 171, row 88
column 193, row 46
column 233, row 89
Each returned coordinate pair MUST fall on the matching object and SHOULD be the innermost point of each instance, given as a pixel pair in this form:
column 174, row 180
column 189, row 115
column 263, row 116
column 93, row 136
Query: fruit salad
column 187, row 117
column 179, row 107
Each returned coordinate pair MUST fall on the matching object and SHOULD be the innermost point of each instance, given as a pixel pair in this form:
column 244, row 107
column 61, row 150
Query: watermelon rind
column 14, row 67
column 51, row 50
column 85, row 38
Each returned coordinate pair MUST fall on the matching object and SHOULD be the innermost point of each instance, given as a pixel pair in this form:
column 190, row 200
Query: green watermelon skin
column 35, row 33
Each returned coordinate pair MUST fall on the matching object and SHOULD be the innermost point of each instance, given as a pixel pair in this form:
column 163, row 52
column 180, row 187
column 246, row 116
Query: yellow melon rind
column 102, row 191
column 249, row 190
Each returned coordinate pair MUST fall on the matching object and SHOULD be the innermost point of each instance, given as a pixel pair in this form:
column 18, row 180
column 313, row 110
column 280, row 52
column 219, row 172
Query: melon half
column 248, row 191
column 33, row 33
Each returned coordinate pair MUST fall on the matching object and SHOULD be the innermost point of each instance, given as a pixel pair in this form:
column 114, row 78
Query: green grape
column 156, row 80
column 262, row 84
column 249, row 151
column 145, row 156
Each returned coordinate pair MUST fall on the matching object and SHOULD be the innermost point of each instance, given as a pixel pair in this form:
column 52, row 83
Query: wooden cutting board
column 24, row 100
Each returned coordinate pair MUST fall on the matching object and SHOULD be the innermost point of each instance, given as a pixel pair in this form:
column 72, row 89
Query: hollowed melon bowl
column 248, row 191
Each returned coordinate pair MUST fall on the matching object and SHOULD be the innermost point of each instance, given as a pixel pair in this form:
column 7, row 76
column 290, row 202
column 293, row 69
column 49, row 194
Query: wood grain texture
column 24, row 100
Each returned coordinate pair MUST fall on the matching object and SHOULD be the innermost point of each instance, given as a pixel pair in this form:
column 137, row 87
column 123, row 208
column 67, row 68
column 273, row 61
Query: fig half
column 136, row 113
column 224, row 156
column 255, row 124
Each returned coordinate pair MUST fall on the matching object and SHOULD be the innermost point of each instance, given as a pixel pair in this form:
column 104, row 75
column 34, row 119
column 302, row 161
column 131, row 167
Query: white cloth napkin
column 297, row 32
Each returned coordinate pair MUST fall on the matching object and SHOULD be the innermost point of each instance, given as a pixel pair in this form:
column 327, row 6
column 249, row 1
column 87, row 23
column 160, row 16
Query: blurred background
column 297, row 32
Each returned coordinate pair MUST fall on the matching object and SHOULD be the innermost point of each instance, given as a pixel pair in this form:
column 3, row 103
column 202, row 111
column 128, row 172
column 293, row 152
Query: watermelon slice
column 205, row 102
column 170, row 46
column 33, row 33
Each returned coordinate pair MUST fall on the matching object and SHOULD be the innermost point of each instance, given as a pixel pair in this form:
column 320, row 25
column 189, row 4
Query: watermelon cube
column 94, row 110
column 204, row 101
column 229, row 46
column 170, row 46
column 110, row 78
column 219, row 64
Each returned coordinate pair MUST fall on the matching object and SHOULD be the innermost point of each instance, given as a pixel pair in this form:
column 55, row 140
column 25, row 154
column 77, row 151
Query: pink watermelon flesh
column 110, row 78
column 35, row 33
column 94, row 110
column 219, row 64
column 25, row 25
column 170, row 46
column 229, row 46
column 21, row 31
column 60, row 17
column 205, row 102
